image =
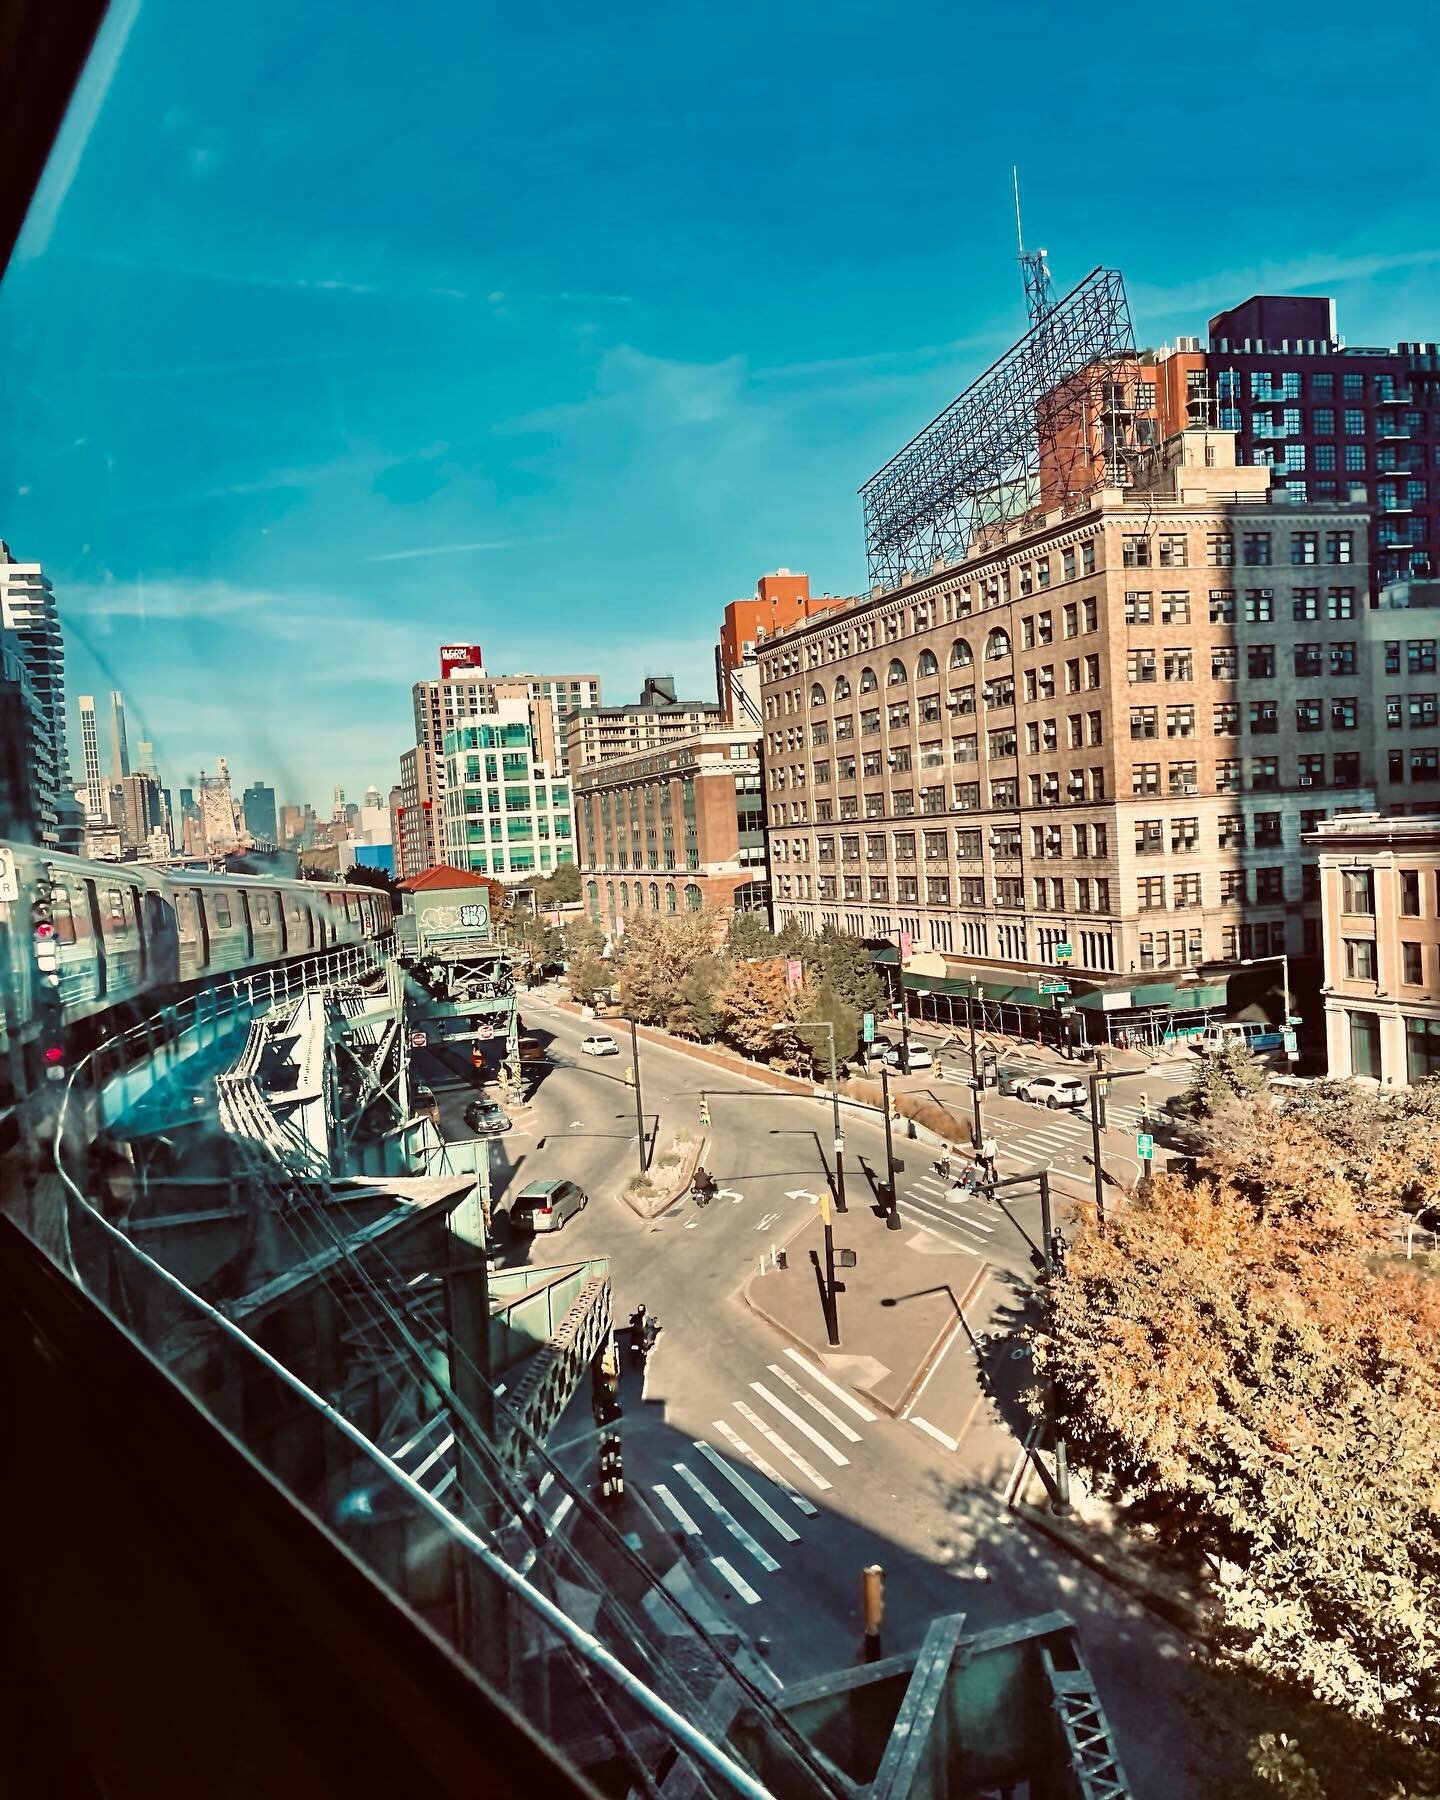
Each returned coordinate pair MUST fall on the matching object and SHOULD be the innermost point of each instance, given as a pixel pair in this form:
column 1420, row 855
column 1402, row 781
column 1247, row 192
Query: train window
column 115, row 909
column 61, row 913
column 262, row 908
column 186, row 918
column 222, row 911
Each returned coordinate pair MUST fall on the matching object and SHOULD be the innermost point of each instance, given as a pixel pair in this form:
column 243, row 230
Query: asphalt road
column 780, row 1481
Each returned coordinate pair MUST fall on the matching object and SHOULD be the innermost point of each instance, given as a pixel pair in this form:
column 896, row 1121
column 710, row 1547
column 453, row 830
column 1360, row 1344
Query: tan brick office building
column 1106, row 728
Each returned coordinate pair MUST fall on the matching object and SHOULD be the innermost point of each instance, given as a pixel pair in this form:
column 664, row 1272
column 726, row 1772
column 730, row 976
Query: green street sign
column 1144, row 1145
column 1063, row 952
column 1292, row 1043
column 867, row 1028
column 1054, row 987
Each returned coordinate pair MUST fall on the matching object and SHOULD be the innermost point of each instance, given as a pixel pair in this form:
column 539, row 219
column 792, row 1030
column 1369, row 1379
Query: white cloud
column 388, row 556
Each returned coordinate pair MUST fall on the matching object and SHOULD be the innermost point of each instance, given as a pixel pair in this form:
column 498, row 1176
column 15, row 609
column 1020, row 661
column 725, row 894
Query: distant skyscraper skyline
column 119, row 747
column 90, row 749
column 27, row 609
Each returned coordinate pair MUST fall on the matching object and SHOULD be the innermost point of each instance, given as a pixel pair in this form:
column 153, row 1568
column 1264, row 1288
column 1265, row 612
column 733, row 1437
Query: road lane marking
column 819, row 1405
column 728, row 1520
column 741, row 1586
column 954, row 1220
column 835, row 1388
column 773, row 1437
column 756, row 1461
column 935, row 1432
column 557, row 1517
column 742, row 1486
column 798, row 1194
column 663, row 1494
column 806, row 1430
column 925, row 1223
column 767, row 1221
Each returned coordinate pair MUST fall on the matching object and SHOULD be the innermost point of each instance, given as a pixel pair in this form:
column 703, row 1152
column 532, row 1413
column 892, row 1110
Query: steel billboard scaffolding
column 1025, row 434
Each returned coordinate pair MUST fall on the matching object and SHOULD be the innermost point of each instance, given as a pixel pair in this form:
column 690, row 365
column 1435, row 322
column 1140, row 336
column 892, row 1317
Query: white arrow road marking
column 742, row 1486
column 693, row 1223
column 730, row 1195
column 728, row 1520
column 689, row 1526
column 741, row 1586
column 819, row 1405
column 576, row 1124
column 835, row 1388
column 800, row 1194
column 749, row 1414
column 809, row 1431
column 756, row 1461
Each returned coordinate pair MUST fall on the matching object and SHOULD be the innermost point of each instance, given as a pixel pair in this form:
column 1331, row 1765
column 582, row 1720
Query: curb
column 1184, row 1618
column 948, row 1331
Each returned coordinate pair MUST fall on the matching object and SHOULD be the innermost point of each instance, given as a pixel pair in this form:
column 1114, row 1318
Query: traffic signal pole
column 892, row 1210
column 639, row 1102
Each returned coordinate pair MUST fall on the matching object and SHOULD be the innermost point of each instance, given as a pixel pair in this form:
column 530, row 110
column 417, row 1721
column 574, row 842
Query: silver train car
column 123, row 935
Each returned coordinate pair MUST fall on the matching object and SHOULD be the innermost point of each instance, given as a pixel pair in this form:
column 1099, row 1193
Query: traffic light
column 704, row 1111
column 894, row 1107
column 1144, row 1106
column 612, row 1466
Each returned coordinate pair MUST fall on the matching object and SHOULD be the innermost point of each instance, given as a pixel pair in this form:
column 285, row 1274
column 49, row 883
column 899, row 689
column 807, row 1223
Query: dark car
column 547, row 1205
column 486, row 1118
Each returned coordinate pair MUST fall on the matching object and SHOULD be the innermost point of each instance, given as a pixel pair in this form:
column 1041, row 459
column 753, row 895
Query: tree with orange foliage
column 1249, row 1362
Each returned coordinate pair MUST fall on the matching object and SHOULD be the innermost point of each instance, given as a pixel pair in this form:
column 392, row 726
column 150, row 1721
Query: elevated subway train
column 128, row 935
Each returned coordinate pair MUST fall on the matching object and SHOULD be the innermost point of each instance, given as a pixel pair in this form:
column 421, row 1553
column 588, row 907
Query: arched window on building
column 925, row 664
column 961, row 655
column 692, row 897
column 817, row 694
column 998, row 643
column 896, row 675
column 842, row 688
column 592, row 898
column 655, row 896
column 670, row 898
column 869, row 681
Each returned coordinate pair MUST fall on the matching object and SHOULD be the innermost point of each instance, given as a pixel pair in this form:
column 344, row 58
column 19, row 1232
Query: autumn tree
column 588, row 977
column 1245, row 1362
column 1228, row 1073
column 840, row 961
column 653, row 958
column 748, row 935
column 695, row 1009
column 755, row 999
column 824, row 1002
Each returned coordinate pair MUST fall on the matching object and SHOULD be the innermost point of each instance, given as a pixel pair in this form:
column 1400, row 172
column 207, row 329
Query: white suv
column 1054, row 1090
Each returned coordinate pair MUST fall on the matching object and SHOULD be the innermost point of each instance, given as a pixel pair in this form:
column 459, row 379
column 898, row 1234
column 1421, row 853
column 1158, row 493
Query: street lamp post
column 1046, row 1263
column 826, row 1026
column 639, row 1102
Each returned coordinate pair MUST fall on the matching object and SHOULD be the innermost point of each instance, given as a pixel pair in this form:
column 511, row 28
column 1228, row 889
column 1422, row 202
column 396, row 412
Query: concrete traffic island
column 903, row 1302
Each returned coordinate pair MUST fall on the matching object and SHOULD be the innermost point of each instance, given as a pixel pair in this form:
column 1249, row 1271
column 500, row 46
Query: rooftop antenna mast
column 1039, row 295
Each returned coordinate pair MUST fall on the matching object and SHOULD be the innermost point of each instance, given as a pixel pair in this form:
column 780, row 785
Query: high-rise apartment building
column 597, row 734
column 27, row 609
column 258, row 806
column 1097, row 741
column 22, row 729
column 1335, row 422
column 1402, row 645
column 506, row 812
column 90, row 746
column 139, row 813
column 466, row 692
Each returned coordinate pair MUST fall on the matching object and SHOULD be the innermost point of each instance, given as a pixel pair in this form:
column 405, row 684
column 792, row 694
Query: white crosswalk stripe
column 835, row 1388
column 756, row 1461
column 673, row 1506
column 823, row 1445
column 928, row 1223
column 742, row 1486
column 773, row 1437
column 741, row 1586
column 951, row 1216
column 728, row 1520
column 824, row 1411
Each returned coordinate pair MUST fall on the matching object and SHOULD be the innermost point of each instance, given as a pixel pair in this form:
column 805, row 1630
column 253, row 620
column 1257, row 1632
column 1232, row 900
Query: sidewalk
column 901, row 1312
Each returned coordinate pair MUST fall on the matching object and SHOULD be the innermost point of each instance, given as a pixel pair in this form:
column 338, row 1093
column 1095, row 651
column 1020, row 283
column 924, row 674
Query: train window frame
column 262, row 908
column 224, row 917
column 187, row 912
column 114, row 918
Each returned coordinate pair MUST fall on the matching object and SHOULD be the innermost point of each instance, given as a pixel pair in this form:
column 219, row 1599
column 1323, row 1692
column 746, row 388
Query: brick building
column 676, row 828
column 1380, row 888
column 1336, row 422
column 1106, row 731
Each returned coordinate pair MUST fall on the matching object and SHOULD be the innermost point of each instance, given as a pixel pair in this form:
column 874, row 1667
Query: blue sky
column 339, row 333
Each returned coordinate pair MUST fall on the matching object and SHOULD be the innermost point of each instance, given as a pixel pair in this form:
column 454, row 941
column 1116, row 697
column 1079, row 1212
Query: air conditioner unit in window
column 1188, row 787
column 1307, row 781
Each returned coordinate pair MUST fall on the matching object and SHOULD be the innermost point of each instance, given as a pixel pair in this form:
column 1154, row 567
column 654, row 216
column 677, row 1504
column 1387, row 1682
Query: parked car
column 547, row 1205
column 530, row 1050
column 916, row 1057
column 1053, row 1090
column 599, row 1043
column 486, row 1118
column 425, row 1105
column 881, row 1047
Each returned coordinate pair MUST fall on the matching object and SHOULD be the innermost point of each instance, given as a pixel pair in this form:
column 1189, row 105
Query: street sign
column 9, row 877
column 1054, row 987
column 418, row 1040
column 1144, row 1145
column 794, row 974
column 1063, row 952
column 867, row 1028
column 1292, row 1046
column 485, row 1031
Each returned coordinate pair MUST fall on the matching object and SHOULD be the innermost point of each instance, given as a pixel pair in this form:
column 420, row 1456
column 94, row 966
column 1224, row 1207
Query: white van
column 1253, row 1034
